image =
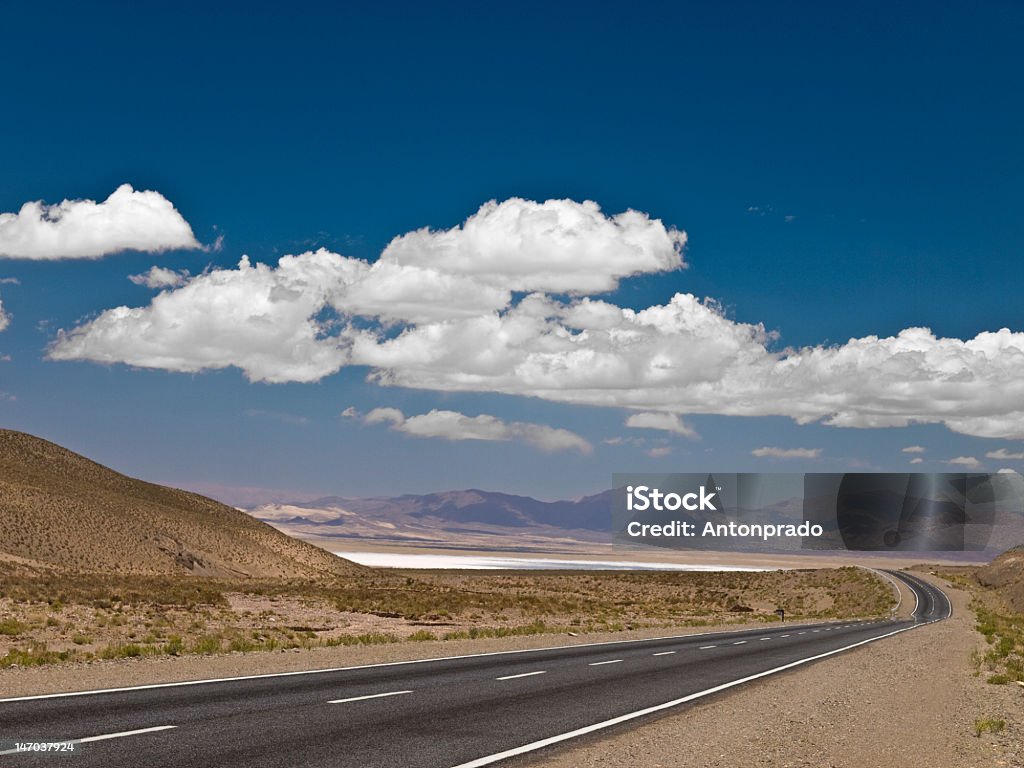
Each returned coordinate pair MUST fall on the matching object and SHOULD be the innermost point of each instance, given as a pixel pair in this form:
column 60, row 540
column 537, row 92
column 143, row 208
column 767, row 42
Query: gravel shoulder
column 904, row 702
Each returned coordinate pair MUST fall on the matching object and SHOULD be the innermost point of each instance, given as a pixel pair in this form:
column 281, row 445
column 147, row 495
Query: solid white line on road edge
column 271, row 675
column 663, row 653
column 371, row 696
column 705, row 647
column 524, row 674
column 104, row 737
column 535, row 745
column 599, row 663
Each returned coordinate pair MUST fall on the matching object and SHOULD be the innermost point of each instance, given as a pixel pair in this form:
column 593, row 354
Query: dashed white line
column 105, row 736
column 599, row 663
column 801, row 633
column 783, row 635
column 705, row 647
column 740, row 642
column 524, row 674
column 765, row 638
column 535, row 745
column 371, row 696
column 663, row 653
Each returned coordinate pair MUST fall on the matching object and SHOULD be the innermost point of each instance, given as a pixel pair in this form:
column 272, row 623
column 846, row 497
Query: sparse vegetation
column 1001, row 659
column 988, row 725
column 52, row 617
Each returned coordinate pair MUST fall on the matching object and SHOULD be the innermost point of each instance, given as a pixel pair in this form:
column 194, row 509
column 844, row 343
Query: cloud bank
column 507, row 303
column 128, row 220
column 5, row 318
column 1005, row 455
column 452, row 425
column 786, row 453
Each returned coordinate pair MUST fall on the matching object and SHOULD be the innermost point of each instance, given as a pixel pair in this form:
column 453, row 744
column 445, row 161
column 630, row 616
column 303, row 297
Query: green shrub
column 988, row 725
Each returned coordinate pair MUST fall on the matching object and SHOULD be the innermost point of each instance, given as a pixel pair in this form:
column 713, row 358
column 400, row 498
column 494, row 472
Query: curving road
column 441, row 713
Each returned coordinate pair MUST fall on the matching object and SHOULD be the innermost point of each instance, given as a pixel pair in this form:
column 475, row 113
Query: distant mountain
column 465, row 518
column 59, row 509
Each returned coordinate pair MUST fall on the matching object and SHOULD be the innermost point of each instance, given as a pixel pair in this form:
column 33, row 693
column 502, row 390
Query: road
column 468, row 711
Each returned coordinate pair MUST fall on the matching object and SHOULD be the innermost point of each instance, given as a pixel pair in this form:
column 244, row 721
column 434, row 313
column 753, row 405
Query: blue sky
column 839, row 171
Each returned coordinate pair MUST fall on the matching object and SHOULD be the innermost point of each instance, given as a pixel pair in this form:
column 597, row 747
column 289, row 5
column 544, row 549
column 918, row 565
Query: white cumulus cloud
column 128, row 220
column 914, row 449
column 452, row 425
column 917, row 460
column 497, row 305
column 558, row 246
column 669, row 422
column 261, row 320
column 5, row 317
column 159, row 278
column 965, row 461
column 787, row 453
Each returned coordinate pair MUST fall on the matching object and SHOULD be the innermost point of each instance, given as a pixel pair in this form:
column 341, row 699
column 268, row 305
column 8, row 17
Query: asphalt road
column 468, row 711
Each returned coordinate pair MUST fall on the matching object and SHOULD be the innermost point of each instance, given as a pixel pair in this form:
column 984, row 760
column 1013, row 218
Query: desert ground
column 51, row 617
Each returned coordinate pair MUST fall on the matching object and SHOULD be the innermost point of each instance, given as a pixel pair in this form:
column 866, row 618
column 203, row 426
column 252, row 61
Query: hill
column 1005, row 574
column 61, row 510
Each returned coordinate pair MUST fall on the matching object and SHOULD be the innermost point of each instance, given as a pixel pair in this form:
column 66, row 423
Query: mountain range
column 469, row 518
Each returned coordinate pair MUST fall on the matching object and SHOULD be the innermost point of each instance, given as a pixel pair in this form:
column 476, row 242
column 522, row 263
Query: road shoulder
column 903, row 702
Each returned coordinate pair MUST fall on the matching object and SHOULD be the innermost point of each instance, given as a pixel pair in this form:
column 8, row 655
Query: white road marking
column 535, row 745
column 766, row 638
column 801, row 633
column 783, row 635
column 121, row 734
column 705, row 647
column 105, row 736
column 599, row 663
column 371, row 696
column 524, row 674
column 663, row 653
column 740, row 642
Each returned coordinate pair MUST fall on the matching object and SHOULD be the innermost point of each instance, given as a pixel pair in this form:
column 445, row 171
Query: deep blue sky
column 889, row 134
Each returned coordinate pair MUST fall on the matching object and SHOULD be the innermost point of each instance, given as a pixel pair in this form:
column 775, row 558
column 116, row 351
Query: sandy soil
column 910, row 702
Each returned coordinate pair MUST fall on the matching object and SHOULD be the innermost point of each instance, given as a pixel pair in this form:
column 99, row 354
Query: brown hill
column 1005, row 574
column 60, row 509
